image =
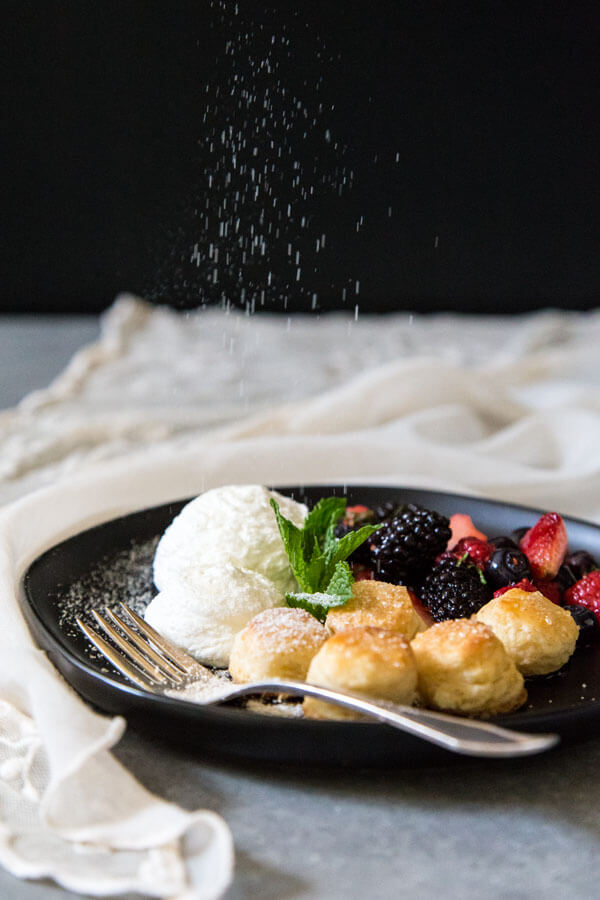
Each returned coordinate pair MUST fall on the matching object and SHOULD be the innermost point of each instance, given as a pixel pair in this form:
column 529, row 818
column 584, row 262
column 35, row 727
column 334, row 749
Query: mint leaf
column 340, row 584
column 349, row 542
column 324, row 516
column 316, row 569
column 317, row 604
column 318, row 557
column 330, row 544
column 293, row 541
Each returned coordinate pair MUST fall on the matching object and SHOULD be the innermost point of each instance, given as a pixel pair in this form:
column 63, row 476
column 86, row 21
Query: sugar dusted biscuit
column 539, row 635
column 370, row 661
column 277, row 643
column 463, row 668
column 378, row 604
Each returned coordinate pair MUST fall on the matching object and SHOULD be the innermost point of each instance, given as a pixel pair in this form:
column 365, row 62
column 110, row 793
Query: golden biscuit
column 370, row 661
column 277, row 643
column 539, row 635
column 463, row 667
column 378, row 604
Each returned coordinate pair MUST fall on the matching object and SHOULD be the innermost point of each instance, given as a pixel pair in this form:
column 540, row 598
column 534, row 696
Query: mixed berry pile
column 453, row 569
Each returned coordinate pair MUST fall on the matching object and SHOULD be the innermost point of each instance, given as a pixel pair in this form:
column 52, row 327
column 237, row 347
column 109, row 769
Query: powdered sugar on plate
column 126, row 577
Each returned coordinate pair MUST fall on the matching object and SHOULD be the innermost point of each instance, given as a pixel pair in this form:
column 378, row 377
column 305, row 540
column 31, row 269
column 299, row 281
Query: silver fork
column 156, row 664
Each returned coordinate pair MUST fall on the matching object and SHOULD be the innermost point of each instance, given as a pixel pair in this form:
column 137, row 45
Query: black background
column 483, row 118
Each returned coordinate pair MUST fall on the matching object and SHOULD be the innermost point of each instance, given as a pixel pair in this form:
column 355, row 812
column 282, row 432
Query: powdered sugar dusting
column 282, row 627
column 123, row 577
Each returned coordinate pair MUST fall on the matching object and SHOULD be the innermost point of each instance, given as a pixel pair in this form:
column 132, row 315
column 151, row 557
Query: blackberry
column 454, row 590
column 356, row 517
column 385, row 511
column 406, row 545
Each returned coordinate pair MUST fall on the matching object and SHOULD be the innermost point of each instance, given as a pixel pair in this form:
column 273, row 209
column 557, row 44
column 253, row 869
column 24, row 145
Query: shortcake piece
column 370, row 661
column 539, row 635
column 277, row 643
column 463, row 668
column 379, row 604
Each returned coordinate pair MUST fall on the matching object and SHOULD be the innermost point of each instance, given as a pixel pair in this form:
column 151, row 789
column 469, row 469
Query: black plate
column 112, row 561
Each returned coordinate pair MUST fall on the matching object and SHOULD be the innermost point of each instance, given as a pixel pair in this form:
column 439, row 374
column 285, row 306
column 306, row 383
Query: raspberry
column 523, row 585
column 586, row 592
column 550, row 589
column 407, row 544
column 477, row 550
column 454, row 590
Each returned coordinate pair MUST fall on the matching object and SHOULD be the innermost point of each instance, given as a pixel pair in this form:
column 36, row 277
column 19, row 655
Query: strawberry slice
column 357, row 515
column 545, row 545
column 462, row 526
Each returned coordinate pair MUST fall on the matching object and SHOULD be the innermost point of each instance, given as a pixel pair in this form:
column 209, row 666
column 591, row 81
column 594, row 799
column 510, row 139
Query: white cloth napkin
column 157, row 375
column 509, row 408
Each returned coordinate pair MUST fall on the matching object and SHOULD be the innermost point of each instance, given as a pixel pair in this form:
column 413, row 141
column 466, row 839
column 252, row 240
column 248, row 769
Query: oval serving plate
column 113, row 562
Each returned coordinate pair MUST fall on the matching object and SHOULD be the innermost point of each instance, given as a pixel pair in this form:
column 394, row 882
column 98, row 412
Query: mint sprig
column 318, row 557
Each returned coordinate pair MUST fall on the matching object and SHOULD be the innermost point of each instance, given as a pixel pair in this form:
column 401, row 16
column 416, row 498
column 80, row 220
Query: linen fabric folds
column 168, row 404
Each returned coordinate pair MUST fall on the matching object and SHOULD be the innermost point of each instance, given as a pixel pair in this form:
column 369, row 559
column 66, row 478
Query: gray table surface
column 504, row 831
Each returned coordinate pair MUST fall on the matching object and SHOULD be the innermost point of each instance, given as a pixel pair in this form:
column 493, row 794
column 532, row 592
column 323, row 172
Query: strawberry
column 462, row 526
column 523, row 585
column 545, row 545
column 586, row 592
column 357, row 515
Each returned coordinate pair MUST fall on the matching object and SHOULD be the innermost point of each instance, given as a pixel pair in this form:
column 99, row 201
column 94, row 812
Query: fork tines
column 144, row 656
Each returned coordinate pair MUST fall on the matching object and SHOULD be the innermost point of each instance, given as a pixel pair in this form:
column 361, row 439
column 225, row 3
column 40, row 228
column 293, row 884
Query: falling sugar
column 272, row 167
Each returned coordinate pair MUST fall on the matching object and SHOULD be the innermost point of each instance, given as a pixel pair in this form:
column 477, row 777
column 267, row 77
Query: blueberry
column 519, row 532
column 506, row 566
column 503, row 541
column 575, row 566
column 586, row 620
column 580, row 563
column 565, row 577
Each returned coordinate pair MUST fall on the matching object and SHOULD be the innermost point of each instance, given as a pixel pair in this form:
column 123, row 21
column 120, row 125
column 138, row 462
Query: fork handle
column 470, row 737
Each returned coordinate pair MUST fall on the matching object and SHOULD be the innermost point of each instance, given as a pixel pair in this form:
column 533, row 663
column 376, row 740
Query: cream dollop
column 234, row 524
column 219, row 563
column 204, row 613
